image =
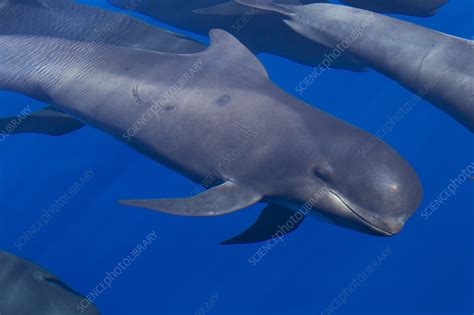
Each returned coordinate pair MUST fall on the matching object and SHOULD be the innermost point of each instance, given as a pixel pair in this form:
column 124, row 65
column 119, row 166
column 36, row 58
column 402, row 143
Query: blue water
column 428, row 268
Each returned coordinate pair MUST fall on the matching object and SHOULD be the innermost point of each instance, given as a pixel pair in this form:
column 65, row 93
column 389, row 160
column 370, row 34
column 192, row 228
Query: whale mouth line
column 367, row 222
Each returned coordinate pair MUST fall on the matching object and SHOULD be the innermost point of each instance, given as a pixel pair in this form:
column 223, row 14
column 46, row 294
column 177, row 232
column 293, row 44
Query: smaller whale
column 436, row 66
column 408, row 7
column 69, row 20
column 27, row 289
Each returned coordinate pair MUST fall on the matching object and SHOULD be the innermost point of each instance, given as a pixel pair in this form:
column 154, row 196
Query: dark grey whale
column 437, row 66
column 70, row 20
column 26, row 289
column 408, row 7
column 258, row 31
column 216, row 117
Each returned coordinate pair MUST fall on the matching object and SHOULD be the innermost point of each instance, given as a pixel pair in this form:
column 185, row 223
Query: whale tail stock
column 15, row 77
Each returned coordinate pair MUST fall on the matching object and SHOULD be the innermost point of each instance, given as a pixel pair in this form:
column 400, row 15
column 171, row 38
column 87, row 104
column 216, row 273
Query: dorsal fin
column 229, row 50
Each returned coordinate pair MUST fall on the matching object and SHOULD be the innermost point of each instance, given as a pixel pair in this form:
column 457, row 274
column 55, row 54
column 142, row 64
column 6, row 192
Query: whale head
column 358, row 182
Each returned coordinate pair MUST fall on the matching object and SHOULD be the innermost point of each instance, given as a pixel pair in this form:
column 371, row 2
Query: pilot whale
column 26, row 288
column 437, row 66
column 261, row 32
column 217, row 118
column 408, row 7
column 70, row 20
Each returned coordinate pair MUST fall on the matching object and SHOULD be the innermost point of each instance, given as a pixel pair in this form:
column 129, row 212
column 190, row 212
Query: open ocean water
column 320, row 269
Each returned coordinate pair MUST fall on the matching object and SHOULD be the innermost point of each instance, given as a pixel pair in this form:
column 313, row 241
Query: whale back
column 74, row 21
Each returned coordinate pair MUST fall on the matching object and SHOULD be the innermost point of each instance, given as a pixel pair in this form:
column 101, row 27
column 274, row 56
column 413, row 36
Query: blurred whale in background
column 69, row 20
column 259, row 31
column 436, row 66
column 408, row 7
column 216, row 117
column 26, row 289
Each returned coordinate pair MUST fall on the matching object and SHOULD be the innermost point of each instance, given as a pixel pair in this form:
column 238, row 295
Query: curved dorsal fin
column 229, row 50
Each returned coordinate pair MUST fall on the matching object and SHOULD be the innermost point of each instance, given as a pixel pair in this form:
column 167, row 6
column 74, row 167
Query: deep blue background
column 430, row 270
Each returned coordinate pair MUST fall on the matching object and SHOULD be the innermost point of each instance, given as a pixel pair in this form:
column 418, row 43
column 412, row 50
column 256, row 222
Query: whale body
column 26, row 288
column 216, row 117
column 436, row 66
column 408, row 7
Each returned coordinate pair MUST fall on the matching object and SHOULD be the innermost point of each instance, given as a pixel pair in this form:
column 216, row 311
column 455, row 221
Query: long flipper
column 222, row 199
column 47, row 121
column 272, row 219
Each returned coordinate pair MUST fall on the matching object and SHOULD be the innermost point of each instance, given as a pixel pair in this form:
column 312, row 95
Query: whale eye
column 323, row 172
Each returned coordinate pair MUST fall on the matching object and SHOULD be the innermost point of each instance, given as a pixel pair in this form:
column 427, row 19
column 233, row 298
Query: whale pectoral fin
column 222, row 199
column 47, row 121
column 269, row 222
